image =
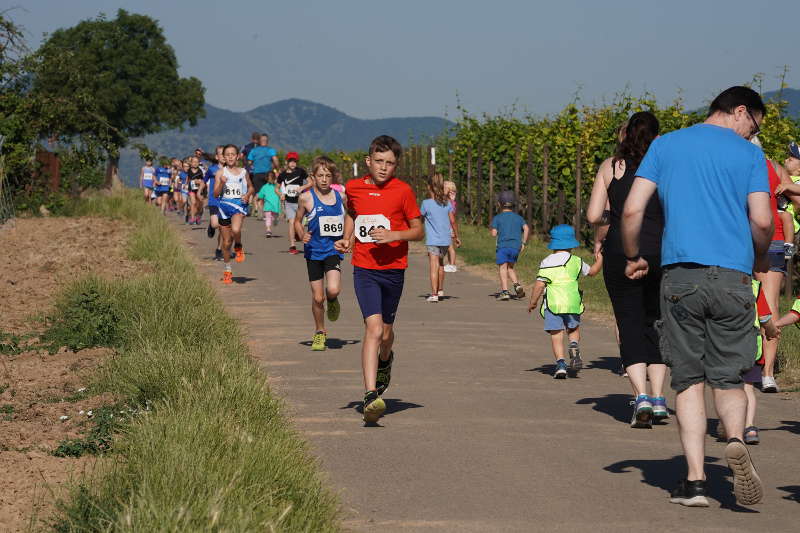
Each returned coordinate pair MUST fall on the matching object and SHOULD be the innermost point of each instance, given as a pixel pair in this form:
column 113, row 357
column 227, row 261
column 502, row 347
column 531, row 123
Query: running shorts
column 378, row 291
column 228, row 209
column 440, row 251
column 290, row 209
column 213, row 211
column 317, row 268
column 777, row 260
column 506, row 255
column 259, row 179
column 561, row 321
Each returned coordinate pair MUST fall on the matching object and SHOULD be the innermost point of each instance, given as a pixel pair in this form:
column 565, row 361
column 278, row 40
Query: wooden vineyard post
column 450, row 167
column 788, row 289
column 479, row 179
column 562, row 201
column 516, row 178
column 468, row 192
column 578, row 189
column 529, row 189
column 431, row 161
column 545, row 188
column 491, row 191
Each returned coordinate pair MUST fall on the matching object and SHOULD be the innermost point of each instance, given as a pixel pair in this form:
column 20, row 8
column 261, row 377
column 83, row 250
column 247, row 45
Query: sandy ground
column 36, row 388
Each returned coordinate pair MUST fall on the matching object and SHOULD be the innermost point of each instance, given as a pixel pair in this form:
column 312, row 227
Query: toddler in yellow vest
column 562, row 304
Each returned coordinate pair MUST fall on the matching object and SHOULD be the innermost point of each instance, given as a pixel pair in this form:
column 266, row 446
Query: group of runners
column 373, row 217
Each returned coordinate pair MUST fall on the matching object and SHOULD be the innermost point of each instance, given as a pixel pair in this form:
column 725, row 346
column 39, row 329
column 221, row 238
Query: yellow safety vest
column 790, row 208
column 562, row 294
column 759, row 340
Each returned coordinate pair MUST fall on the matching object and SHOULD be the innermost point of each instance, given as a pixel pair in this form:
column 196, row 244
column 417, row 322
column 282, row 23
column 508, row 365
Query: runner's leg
column 504, row 277
column 317, row 304
column 771, row 285
column 373, row 334
column 433, row 263
column 690, row 409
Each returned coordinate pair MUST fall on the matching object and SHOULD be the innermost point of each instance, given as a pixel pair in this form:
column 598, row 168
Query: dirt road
column 478, row 436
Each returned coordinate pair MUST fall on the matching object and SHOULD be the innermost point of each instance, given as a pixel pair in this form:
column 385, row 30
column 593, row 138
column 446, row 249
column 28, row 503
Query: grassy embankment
column 478, row 248
column 213, row 452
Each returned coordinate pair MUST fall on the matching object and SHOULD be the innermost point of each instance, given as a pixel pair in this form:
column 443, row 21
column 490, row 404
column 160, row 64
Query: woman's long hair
column 642, row 129
column 436, row 187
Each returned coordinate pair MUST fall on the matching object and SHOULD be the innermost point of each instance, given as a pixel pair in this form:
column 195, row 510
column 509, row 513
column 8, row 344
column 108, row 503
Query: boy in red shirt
column 382, row 216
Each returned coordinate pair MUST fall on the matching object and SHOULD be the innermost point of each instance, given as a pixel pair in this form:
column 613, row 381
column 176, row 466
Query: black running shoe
column 690, row 493
column 218, row 255
column 210, row 231
column 384, row 373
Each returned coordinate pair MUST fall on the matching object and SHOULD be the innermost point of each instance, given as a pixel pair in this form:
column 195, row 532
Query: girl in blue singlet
column 147, row 179
column 324, row 209
column 163, row 182
column 233, row 188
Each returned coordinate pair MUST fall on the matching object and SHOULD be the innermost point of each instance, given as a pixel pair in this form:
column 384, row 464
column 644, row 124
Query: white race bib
column 291, row 191
column 366, row 223
column 331, row 226
column 232, row 191
column 163, row 180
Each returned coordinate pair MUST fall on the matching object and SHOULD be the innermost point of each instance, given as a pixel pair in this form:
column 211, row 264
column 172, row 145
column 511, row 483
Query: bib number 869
column 333, row 229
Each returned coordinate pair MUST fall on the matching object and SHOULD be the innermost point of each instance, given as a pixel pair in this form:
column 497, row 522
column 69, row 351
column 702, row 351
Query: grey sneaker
column 768, row 384
column 561, row 370
column 747, row 485
column 505, row 295
column 520, row 292
column 575, row 361
column 642, row 413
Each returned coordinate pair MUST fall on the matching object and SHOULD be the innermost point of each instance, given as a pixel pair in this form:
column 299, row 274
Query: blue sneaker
column 561, row 369
column 642, row 412
column 660, row 411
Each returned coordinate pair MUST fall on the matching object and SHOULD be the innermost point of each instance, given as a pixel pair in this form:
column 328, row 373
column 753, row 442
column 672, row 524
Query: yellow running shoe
column 334, row 309
column 318, row 343
column 374, row 407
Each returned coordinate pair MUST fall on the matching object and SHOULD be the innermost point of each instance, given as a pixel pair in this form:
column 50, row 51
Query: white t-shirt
column 559, row 259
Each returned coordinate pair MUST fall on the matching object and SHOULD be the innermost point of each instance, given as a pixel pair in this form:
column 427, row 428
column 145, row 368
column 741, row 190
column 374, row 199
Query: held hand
column 598, row 247
column 382, row 236
column 780, row 188
column 771, row 331
column 637, row 269
column 457, row 242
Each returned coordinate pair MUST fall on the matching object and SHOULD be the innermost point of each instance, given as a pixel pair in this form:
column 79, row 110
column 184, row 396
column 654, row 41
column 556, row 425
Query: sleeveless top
column 235, row 185
column 652, row 224
column 148, row 173
column 195, row 177
column 163, row 178
column 774, row 181
column 326, row 226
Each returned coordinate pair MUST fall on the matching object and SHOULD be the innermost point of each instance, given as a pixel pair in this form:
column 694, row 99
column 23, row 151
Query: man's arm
column 761, row 227
column 526, row 231
column 632, row 216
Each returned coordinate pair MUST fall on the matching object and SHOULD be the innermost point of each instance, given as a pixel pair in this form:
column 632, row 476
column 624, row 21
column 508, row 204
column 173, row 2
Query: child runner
column 262, row 159
column 451, row 190
column 270, row 204
column 181, row 189
column 562, row 304
column 291, row 182
column 233, row 187
column 439, row 223
column 196, row 186
column 163, row 181
column 213, row 202
column 325, row 211
column 146, row 177
column 382, row 216
column 511, row 231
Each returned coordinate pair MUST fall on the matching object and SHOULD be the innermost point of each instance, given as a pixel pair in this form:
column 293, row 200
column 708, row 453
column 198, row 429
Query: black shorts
column 213, row 210
column 318, row 268
column 259, row 179
column 163, row 193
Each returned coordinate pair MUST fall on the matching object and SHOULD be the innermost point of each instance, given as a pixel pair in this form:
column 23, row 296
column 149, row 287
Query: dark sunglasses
column 757, row 128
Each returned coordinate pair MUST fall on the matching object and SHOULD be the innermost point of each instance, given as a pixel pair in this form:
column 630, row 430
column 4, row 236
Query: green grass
column 210, row 449
column 478, row 248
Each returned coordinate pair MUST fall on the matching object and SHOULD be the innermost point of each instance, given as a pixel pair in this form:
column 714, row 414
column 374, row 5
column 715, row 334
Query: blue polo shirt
column 261, row 156
column 704, row 174
column 509, row 226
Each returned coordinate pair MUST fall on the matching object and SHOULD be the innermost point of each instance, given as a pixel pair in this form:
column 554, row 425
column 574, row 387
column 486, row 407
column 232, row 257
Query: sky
column 424, row 58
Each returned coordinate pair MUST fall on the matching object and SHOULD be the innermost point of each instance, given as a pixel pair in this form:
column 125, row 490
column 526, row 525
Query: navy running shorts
column 506, row 255
column 378, row 291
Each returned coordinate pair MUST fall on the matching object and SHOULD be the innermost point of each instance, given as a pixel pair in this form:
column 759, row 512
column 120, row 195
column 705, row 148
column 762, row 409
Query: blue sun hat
column 562, row 237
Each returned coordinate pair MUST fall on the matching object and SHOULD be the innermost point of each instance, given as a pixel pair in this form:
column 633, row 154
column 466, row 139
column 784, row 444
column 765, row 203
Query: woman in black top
column 636, row 302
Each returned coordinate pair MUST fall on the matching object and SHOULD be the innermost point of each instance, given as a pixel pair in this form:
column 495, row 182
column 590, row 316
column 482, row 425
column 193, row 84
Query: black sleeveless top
column 652, row 225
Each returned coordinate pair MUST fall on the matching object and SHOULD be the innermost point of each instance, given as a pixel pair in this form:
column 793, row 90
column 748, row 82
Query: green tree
column 131, row 73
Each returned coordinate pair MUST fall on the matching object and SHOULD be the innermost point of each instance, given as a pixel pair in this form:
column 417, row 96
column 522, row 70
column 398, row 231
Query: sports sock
column 228, row 267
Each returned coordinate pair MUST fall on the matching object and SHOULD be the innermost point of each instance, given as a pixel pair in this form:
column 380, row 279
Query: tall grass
column 478, row 248
column 215, row 452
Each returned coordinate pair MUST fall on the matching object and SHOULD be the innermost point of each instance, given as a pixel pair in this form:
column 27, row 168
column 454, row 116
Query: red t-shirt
column 774, row 181
column 761, row 305
column 394, row 200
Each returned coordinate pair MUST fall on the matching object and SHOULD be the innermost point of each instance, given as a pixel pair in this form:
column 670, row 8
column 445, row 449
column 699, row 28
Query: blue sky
column 422, row 57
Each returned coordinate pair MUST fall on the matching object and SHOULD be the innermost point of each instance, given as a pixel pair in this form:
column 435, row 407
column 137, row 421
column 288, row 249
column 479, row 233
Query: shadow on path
column 794, row 493
column 393, row 405
column 614, row 364
column 617, row 406
column 665, row 474
column 792, row 426
column 242, row 279
column 333, row 343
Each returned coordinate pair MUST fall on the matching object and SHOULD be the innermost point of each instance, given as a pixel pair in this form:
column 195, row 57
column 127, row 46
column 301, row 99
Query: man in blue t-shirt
column 511, row 231
column 261, row 160
column 713, row 187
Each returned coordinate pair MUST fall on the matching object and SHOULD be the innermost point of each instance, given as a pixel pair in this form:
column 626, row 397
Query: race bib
column 291, row 191
column 331, row 226
column 194, row 185
column 232, row 191
column 163, row 180
column 366, row 223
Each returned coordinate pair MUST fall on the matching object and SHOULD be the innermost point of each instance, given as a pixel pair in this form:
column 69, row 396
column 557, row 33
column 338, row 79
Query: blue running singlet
column 163, row 179
column 148, row 175
column 326, row 226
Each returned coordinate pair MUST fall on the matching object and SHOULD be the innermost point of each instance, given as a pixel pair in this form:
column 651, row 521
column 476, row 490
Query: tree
column 130, row 72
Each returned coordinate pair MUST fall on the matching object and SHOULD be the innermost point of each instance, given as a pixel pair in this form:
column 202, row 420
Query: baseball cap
column 794, row 150
column 292, row 155
column 506, row 198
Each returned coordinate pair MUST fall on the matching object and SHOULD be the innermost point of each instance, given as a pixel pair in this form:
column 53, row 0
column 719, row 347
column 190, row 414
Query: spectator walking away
column 511, row 232
column 713, row 188
column 635, row 302
column 261, row 159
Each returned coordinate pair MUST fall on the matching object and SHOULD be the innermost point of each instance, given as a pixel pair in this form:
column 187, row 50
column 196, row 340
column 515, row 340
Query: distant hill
column 292, row 124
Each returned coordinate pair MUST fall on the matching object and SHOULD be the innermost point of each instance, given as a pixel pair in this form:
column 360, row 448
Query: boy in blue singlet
column 146, row 179
column 213, row 202
column 324, row 209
